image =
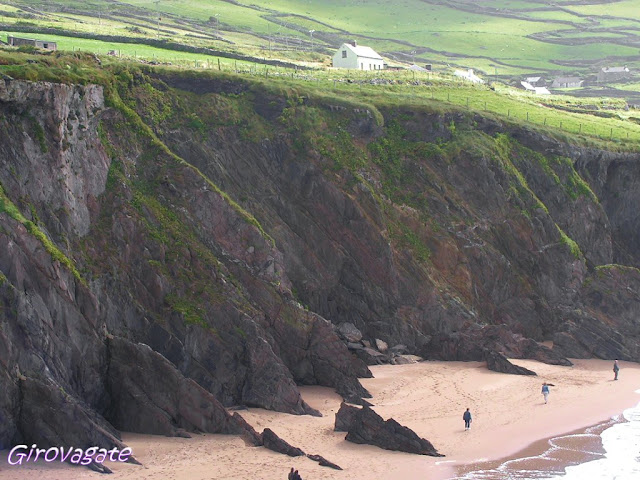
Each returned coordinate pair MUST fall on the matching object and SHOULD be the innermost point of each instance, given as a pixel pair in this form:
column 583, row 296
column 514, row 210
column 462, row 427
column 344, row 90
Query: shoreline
column 509, row 417
column 586, row 445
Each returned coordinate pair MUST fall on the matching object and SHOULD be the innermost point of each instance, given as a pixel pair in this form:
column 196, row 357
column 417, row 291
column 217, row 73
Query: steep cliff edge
column 105, row 239
column 207, row 233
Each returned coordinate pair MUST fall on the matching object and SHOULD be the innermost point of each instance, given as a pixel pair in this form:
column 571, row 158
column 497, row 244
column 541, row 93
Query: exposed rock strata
column 241, row 343
column 237, row 300
column 365, row 426
column 149, row 395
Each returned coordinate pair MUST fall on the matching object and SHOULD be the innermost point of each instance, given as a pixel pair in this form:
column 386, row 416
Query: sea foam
column 609, row 451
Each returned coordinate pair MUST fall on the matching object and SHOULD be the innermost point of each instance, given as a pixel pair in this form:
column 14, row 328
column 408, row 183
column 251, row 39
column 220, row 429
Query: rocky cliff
column 174, row 244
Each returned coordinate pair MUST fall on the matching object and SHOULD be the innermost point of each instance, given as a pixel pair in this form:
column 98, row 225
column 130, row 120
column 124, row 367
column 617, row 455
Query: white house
column 352, row 55
column 536, row 90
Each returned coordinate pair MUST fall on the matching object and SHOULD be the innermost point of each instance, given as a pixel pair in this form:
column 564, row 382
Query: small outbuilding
column 44, row 44
column 537, row 90
column 357, row 57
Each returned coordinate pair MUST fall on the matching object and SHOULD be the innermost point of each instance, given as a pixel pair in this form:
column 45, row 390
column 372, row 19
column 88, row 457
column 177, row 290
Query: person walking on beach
column 616, row 369
column 545, row 392
column 294, row 475
column 466, row 416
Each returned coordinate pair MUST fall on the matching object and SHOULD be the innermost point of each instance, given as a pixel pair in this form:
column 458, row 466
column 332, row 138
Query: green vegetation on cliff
column 8, row 207
column 391, row 141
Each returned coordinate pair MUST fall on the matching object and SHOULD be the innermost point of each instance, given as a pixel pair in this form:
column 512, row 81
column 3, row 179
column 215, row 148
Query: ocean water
column 609, row 451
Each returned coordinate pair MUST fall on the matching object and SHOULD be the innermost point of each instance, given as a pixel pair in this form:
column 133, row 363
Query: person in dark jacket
column 616, row 369
column 466, row 416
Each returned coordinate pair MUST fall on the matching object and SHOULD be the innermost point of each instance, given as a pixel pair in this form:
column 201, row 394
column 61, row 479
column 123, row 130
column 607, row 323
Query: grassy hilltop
column 503, row 40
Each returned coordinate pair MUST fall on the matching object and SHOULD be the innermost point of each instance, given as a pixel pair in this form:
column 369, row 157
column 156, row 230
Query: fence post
column 508, row 113
column 527, row 116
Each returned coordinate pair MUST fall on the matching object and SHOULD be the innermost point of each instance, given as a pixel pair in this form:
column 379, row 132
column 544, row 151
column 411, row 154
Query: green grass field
column 137, row 51
column 517, row 36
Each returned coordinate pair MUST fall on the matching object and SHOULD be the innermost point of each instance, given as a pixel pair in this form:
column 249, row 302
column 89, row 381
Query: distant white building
column 535, row 81
column 536, row 90
column 468, row 75
column 357, row 57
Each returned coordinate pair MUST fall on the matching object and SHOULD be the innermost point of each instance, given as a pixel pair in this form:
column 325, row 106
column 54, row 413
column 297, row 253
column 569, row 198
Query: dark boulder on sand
column 364, row 426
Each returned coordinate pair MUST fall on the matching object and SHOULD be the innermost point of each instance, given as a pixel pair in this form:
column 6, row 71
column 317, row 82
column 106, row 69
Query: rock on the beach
column 404, row 359
column 470, row 343
column 50, row 416
column 371, row 356
column 247, row 432
column 275, row 443
column 345, row 417
column 160, row 400
column 324, row 462
column 364, row 426
column 499, row 363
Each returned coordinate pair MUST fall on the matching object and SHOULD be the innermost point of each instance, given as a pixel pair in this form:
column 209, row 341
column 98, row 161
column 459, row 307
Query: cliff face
column 206, row 235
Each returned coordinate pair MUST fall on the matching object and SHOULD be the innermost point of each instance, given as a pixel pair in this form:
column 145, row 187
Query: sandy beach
column 509, row 415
